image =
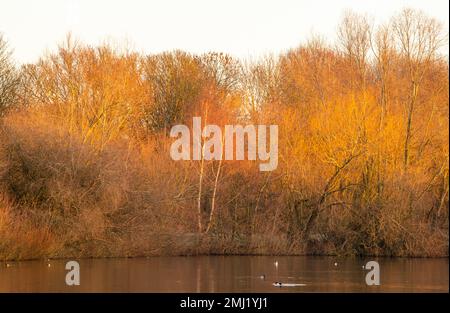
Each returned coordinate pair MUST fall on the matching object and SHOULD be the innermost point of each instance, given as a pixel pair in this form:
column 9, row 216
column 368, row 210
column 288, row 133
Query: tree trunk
column 409, row 125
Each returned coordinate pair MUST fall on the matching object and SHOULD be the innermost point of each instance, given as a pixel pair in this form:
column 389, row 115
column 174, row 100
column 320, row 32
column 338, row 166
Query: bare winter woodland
column 363, row 165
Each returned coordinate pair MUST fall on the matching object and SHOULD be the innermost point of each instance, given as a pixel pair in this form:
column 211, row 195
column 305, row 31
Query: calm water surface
column 227, row 274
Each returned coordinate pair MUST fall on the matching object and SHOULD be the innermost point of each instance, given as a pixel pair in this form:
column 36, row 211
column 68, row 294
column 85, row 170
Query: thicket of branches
column 85, row 168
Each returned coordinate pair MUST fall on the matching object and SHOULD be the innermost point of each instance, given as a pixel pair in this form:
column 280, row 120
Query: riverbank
column 61, row 197
column 190, row 244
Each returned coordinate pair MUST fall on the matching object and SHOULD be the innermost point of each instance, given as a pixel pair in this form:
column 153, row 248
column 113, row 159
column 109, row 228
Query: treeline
column 85, row 168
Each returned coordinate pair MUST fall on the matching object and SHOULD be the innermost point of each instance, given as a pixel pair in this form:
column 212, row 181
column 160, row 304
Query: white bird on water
column 276, row 263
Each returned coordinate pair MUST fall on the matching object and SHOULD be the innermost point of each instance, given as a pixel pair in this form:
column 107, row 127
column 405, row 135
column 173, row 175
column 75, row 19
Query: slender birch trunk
column 213, row 202
column 200, row 183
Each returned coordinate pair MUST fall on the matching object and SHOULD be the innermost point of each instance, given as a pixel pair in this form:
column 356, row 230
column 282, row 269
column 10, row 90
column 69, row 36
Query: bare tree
column 419, row 39
column 9, row 78
column 354, row 37
column 383, row 50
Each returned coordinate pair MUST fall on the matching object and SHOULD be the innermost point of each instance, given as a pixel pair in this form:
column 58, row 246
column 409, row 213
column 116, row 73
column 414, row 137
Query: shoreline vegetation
column 85, row 166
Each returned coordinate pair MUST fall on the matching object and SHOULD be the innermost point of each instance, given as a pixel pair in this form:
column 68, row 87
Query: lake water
column 227, row 274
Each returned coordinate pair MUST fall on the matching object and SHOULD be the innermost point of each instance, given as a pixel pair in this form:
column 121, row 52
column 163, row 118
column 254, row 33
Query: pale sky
column 243, row 28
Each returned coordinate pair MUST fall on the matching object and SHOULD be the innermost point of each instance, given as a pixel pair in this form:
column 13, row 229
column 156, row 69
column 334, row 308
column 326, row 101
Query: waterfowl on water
column 280, row 284
column 276, row 263
column 263, row 276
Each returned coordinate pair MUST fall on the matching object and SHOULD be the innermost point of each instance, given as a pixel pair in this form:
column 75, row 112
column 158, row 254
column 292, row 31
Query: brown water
column 226, row 274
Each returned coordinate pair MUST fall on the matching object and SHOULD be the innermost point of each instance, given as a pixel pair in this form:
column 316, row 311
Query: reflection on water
column 226, row 274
